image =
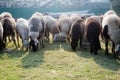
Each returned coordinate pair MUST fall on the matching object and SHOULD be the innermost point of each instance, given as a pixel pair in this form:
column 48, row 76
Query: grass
column 58, row 62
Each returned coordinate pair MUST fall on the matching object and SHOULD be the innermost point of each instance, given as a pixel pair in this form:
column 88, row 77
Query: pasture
column 58, row 62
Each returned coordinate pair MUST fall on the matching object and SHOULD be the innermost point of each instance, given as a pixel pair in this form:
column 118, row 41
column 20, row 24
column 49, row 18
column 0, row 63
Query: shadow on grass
column 57, row 45
column 108, row 62
column 13, row 53
column 33, row 59
column 29, row 59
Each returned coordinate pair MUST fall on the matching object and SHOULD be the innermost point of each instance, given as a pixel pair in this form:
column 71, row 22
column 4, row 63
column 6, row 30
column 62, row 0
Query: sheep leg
column 106, row 47
column 74, row 45
column 30, row 46
column 4, row 41
column 14, row 41
column 9, row 39
column 27, row 49
column 68, row 38
column 22, row 47
column 18, row 41
column 99, row 45
column 81, row 42
column 47, row 35
column 96, row 49
column 113, row 48
column 43, row 43
column 91, row 48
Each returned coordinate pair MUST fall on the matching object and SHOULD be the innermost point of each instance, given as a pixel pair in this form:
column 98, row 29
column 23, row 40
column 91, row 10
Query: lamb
column 22, row 32
column 111, row 32
column 37, row 28
column 64, row 24
column 52, row 27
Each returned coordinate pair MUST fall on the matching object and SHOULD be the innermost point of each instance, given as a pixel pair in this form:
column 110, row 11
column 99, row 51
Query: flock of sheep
column 74, row 28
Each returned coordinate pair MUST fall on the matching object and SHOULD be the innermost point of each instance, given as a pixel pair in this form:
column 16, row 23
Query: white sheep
column 111, row 30
column 64, row 24
column 37, row 28
column 51, row 26
column 22, row 32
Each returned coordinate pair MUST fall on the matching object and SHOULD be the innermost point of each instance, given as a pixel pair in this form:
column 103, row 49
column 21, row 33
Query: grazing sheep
column 77, row 32
column 91, row 32
column 51, row 26
column 9, row 27
column 6, row 15
column 64, row 24
column 2, row 45
column 22, row 32
column 111, row 32
column 37, row 28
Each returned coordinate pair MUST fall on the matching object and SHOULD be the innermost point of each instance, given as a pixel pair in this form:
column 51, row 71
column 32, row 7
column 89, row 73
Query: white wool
column 6, row 14
column 37, row 14
column 40, row 21
column 113, row 22
column 56, row 37
column 74, row 17
column 34, row 35
column 63, row 16
column 22, row 28
column 25, row 43
column 1, row 31
column 51, row 23
column 65, row 23
column 110, row 12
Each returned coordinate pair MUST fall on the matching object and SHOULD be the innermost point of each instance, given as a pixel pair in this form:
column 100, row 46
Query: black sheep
column 77, row 33
column 92, row 31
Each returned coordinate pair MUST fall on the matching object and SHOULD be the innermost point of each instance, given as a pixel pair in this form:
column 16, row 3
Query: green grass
column 58, row 62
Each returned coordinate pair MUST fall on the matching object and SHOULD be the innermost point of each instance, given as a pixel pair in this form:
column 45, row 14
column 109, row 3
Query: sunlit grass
column 58, row 62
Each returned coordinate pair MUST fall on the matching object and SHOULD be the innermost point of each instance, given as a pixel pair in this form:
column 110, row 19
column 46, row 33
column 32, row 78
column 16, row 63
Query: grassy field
column 58, row 62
